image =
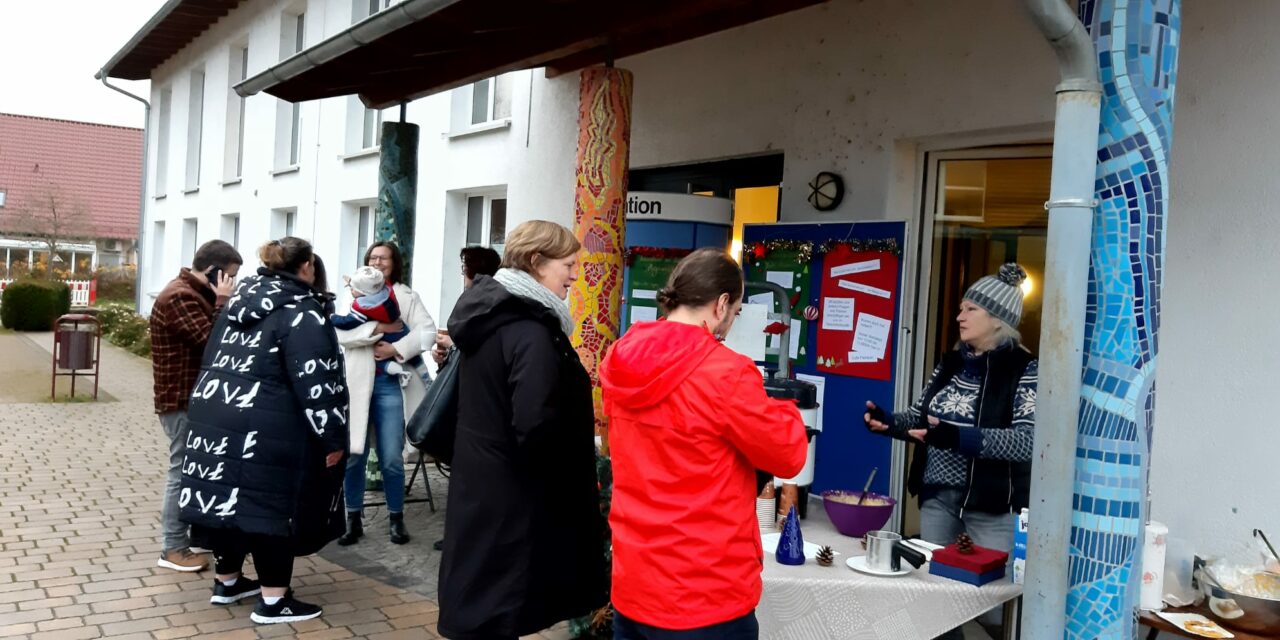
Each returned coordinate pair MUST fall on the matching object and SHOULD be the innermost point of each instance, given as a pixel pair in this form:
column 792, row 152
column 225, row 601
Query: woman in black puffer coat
column 268, row 414
column 523, row 536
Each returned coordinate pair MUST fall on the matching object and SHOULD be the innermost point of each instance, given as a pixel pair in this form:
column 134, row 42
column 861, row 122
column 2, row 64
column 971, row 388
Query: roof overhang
column 420, row 47
column 172, row 28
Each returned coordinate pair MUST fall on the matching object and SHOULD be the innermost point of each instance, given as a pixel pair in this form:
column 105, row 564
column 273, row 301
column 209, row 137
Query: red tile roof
column 97, row 167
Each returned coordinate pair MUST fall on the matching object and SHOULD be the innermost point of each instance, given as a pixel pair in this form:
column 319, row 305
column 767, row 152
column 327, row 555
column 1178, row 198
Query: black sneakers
column 243, row 588
column 286, row 610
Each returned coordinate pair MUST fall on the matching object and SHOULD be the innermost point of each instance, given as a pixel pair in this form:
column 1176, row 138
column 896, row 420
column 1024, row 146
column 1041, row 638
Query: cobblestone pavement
column 80, row 485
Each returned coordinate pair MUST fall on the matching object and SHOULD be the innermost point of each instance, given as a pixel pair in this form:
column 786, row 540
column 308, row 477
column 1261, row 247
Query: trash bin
column 77, row 344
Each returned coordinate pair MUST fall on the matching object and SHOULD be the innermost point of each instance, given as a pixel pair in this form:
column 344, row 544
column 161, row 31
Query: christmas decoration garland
column 805, row 249
column 631, row 253
column 760, row 250
column 886, row 245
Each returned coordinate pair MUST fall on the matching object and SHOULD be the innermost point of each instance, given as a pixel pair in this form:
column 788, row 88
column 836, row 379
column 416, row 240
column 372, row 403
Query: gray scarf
column 523, row 285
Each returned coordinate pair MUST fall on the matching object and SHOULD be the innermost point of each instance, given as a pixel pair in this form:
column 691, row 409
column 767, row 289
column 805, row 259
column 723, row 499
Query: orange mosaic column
column 604, row 146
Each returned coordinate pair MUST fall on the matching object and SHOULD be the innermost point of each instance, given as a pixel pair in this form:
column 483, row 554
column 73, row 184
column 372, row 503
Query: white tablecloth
column 811, row 602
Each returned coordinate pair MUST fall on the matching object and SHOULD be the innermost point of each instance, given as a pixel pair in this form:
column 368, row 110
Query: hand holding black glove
column 943, row 435
column 876, row 419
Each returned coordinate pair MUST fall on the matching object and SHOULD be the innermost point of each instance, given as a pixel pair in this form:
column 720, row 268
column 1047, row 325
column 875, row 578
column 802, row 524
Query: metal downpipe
column 1066, row 290
column 142, row 192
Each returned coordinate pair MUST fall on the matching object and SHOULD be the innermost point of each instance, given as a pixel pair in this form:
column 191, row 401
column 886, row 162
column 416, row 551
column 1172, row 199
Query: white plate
column 859, row 564
column 1180, row 621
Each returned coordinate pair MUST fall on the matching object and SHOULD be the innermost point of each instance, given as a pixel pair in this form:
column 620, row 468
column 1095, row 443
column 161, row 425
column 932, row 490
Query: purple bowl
column 853, row 520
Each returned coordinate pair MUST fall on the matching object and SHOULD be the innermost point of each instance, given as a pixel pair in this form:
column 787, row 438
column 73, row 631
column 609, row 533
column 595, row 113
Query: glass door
column 982, row 208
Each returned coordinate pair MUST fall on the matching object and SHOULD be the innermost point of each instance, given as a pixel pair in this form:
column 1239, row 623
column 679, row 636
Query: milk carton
column 1020, row 548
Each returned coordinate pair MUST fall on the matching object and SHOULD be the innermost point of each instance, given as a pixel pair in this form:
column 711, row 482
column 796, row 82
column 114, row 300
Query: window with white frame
column 289, row 114
column 364, row 126
column 293, row 28
column 371, row 131
column 486, row 102
column 190, row 227
column 231, row 229
column 195, row 128
column 157, row 266
column 487, row 221
column 361, row 9
column 284, row 223
column 237, row 71
column 491, row 100
column 364, row 231
column 162, row 142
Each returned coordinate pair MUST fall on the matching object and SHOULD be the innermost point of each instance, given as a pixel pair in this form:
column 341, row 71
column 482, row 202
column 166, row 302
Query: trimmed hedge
column 33, row 305
column 125, row 329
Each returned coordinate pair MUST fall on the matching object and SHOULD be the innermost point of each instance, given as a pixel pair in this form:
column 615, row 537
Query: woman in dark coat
column 524, row 536
column 268, row 431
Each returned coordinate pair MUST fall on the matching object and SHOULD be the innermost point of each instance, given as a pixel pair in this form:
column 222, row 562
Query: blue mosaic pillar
column 1137, row 44
column 396, row 214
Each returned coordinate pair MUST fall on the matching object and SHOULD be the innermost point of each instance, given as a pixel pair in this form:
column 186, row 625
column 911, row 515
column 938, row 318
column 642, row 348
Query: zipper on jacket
column 1009, row 468
column 973, row 462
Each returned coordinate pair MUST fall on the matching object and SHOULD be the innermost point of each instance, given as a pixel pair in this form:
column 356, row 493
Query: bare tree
column 50, row 216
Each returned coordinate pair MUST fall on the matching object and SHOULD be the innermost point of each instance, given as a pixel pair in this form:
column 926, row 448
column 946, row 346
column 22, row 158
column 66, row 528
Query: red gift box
column 981, row 561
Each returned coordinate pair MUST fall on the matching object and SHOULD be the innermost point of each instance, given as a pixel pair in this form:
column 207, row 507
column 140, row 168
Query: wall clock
column 826, row 190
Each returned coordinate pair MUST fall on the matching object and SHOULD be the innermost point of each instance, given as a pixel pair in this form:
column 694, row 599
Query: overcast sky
column 50, row 49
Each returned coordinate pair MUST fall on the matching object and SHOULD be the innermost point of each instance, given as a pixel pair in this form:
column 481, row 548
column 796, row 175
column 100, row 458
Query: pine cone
column 964, row 544
column 826, row 555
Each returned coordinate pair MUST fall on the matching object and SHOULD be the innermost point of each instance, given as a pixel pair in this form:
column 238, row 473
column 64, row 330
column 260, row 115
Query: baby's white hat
column 367, row 281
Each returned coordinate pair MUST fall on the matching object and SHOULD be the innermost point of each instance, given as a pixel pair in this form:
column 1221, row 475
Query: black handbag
column 434, row 425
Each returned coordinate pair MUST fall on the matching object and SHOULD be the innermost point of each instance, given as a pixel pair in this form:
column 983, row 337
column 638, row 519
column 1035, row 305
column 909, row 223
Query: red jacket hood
column 651, row 361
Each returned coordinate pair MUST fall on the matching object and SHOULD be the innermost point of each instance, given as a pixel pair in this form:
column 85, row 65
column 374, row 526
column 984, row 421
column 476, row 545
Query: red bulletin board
column 870, row 280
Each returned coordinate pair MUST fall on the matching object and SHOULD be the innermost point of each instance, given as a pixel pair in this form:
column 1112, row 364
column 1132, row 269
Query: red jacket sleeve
column 769, row 432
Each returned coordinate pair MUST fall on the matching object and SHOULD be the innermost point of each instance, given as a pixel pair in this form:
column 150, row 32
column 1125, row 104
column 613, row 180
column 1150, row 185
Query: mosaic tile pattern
column 1137, row 44
column 396, row 213
column 604, row 148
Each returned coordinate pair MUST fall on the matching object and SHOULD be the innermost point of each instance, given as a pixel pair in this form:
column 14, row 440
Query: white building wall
column 1215, row 458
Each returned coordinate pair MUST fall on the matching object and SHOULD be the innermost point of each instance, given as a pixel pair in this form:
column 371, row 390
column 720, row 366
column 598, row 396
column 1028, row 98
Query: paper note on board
column 821, row 383
column 761, row 298
column 837, row 314
column 643, row 314
column 747, row 334
column 784, row 279
column 871, row 338
column 862, row 358
column 855, row 267
column 644, row 294
column 862, row 288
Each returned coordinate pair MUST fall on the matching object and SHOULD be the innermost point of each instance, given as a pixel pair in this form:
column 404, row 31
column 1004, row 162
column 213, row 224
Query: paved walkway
column 79, row 515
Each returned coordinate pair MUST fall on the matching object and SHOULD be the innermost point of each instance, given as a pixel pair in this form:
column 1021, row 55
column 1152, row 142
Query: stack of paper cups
column 1151, row 598
column 767, row 515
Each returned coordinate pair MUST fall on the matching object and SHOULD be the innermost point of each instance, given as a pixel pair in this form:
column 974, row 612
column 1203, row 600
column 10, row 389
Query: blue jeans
column 174, row 534
column 386, row 432
column 744, row 628
column 941, row 523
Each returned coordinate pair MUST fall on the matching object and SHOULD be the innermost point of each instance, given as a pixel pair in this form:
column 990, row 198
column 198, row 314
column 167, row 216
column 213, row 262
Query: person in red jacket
column 689, row 423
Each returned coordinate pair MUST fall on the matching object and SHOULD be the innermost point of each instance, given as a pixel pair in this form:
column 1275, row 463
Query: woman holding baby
column 379, row 402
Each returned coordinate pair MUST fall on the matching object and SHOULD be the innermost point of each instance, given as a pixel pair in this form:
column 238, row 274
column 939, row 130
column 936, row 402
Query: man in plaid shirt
column 181, row 320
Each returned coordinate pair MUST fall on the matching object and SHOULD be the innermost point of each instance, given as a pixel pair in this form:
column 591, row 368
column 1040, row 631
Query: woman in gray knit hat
column 973, row 424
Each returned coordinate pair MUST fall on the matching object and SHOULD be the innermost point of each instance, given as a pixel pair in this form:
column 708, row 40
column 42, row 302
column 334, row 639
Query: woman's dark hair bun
column 667, row 298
